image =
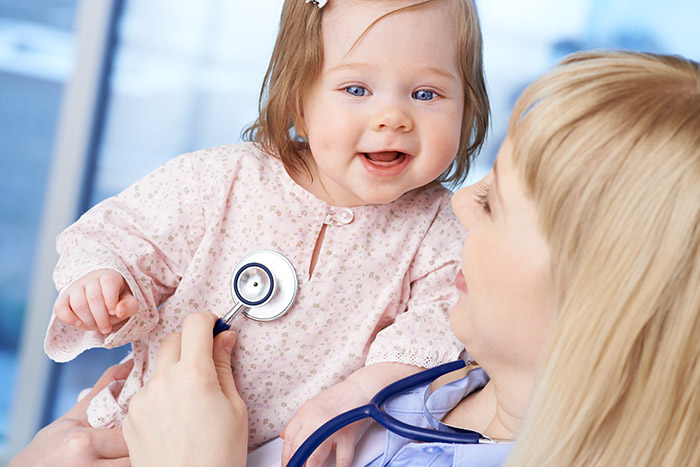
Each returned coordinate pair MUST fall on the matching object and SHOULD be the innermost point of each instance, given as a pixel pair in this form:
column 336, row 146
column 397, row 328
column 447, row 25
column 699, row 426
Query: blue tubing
column 413, row 381
column 326, row 430
column 373, row 410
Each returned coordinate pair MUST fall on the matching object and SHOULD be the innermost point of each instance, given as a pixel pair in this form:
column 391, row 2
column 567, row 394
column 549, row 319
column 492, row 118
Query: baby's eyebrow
column 366, row 66
column 350, row 66
column 440, row 71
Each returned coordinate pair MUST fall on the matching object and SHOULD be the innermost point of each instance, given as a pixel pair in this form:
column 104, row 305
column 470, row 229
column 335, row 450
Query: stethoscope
column 264, row 285
column 375, row 411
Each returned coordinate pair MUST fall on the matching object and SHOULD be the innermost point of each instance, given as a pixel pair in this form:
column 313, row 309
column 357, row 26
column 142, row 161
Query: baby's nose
column 393, row 117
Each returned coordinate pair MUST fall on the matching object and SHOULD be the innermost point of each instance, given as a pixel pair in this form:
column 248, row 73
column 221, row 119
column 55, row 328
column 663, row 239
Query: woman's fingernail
column 229, row 341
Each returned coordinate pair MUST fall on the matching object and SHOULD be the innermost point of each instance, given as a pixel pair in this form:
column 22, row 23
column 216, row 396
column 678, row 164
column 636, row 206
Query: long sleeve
column 148, row 233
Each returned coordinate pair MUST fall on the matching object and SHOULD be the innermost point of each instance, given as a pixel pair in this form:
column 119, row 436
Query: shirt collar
column 445, row 398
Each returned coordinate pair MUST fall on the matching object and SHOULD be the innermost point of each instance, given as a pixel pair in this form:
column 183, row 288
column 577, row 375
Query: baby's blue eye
column 357, row 91
column 424, row 95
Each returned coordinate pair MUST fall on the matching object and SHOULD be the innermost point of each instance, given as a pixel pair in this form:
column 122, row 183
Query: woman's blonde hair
column 608, row 146
column 296, row 62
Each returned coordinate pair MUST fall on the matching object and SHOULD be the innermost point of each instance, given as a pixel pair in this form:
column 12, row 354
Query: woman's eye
column 424, row 95
column 357, row 91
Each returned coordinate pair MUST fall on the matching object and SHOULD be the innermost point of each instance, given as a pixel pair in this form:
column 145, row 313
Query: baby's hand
column 96, row 301
column 317, row 411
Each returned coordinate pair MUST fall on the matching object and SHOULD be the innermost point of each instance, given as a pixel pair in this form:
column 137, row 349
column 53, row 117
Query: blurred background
column 95, row 94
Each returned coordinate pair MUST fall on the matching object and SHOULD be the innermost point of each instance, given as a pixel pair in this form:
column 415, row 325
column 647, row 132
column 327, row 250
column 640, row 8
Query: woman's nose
column 466, row 206
column 391, row 116
column 460, row 205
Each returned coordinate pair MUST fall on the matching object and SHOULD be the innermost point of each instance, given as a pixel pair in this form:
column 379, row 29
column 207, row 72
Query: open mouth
column 385, row 159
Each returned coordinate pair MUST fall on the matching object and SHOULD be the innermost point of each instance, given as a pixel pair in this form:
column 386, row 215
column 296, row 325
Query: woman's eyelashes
column 482, row 199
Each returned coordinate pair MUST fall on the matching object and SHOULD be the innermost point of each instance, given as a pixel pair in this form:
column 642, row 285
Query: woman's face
column 502, row 315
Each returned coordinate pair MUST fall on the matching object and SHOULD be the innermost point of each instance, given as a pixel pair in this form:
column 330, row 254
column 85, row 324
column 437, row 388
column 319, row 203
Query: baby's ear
column 298, row 120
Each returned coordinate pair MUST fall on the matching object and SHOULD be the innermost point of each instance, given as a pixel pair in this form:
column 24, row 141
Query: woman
column 579, row 290
column 607, row 147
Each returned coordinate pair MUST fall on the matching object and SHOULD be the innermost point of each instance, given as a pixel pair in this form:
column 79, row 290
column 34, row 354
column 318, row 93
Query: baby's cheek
column 458, row 318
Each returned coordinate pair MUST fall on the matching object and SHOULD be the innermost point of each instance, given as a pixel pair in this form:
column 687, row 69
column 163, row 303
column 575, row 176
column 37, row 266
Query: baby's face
column 385, row 115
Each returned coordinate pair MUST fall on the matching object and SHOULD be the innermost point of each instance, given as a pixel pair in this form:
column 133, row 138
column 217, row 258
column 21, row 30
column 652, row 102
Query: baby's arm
column 357, row 390
column 147, row 234
column 97, row 301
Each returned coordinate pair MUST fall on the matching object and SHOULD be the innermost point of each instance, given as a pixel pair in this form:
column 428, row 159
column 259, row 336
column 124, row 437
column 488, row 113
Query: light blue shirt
column 420, row 407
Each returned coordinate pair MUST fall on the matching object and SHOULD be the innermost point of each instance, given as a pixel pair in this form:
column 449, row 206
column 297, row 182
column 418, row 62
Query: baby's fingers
column 288, row 435
column 294, row 437
column 319, row 456
column 64, row 313
column 112, row 283
column 344, row 452
column 95, row 298
column 81, row 308
column 127, row 307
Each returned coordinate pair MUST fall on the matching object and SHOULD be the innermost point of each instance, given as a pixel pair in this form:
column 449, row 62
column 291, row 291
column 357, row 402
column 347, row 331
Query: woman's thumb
column 223, row 346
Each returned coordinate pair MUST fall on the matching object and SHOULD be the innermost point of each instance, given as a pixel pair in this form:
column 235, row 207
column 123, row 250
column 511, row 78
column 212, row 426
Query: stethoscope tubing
column 374, row 410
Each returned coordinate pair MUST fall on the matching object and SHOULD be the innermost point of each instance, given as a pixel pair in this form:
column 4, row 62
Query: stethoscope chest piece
column 265, row 283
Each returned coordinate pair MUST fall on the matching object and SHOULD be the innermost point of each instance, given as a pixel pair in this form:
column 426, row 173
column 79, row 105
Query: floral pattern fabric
column 380, row 291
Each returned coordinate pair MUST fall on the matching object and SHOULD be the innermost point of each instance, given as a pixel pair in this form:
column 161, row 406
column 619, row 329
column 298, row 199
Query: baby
column 367, row 106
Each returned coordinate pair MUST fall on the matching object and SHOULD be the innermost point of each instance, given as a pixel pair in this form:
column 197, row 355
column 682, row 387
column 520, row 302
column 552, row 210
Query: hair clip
column 318, row 3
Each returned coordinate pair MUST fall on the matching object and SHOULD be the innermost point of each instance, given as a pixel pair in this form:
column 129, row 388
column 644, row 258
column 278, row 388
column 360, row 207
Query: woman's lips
column 461, row 282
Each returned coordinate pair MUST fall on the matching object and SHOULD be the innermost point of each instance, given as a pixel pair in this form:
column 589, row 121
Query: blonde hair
column 296, row 62
column 608, row 146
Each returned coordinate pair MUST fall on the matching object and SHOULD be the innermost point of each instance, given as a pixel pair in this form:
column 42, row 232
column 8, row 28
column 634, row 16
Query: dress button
column 339, row 216
column 346, row 215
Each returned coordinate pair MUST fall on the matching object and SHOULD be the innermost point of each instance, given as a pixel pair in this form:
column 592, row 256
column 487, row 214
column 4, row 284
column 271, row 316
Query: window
column 523, row 39
column 185, row 75
column 36, row 57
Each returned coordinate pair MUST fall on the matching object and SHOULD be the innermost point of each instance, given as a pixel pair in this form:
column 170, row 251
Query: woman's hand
column 70, row 440
column 189, row 412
